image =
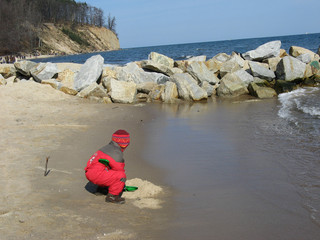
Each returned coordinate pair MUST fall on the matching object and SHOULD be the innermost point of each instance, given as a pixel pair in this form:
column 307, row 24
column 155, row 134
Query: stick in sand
column 45, row 170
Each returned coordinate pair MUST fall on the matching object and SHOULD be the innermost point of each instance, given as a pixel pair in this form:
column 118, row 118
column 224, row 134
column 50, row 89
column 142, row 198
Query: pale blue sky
column 159, row 22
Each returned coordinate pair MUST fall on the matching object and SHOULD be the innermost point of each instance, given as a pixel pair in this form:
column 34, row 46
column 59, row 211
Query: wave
column 300, row 104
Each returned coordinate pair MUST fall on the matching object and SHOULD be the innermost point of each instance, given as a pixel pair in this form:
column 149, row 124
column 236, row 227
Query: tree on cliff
column 112, row 24
column 19, row 20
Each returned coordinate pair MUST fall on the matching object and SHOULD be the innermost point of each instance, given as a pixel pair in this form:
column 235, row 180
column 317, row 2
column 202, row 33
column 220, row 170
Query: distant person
column 105, row 168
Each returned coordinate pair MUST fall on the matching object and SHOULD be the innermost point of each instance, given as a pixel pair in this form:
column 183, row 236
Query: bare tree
column 112, row 23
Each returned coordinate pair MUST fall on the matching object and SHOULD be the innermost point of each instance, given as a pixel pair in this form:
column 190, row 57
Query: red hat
column 122, row 138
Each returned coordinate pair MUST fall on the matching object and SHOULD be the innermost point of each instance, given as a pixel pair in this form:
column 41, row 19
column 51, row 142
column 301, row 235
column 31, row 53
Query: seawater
column 240, row 169
column 185, row 51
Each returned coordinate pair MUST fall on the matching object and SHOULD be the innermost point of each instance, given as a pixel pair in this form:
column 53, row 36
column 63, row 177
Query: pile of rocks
column 263, row 73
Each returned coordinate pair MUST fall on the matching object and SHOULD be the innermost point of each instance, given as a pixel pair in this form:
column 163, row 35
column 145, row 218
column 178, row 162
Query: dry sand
column 39, row 122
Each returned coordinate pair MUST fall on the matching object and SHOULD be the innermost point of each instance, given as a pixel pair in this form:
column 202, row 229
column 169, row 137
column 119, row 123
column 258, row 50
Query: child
column 105, row 168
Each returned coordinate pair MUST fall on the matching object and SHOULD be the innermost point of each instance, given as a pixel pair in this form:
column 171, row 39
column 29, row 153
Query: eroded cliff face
column 67, row 39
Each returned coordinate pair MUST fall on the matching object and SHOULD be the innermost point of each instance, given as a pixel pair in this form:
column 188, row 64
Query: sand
column 38, row 122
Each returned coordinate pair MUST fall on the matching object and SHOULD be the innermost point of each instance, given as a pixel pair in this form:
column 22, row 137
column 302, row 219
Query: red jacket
column 108, row 176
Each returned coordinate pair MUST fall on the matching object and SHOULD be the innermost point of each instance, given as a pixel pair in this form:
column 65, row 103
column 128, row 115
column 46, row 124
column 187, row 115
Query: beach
column 221, row 169
column 39, row 122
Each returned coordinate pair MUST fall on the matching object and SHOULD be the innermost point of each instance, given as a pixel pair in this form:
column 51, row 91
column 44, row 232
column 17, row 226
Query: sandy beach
column 224, row 169
column 39, row 122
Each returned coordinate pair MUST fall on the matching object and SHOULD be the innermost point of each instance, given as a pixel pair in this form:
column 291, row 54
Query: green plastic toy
column 130, row 188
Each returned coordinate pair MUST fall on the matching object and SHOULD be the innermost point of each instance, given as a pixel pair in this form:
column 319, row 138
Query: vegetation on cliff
column 21, row 21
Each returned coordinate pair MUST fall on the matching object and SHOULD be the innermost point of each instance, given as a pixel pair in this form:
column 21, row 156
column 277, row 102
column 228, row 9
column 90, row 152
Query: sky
column 142, row 23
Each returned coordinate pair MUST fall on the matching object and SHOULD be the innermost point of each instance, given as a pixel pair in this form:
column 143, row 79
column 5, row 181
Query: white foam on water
column 296, row 101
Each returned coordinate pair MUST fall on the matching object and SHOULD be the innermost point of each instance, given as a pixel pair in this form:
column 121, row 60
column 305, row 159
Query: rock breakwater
column 263, row 72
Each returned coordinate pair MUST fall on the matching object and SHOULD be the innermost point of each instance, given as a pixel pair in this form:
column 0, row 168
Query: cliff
column 70, row 39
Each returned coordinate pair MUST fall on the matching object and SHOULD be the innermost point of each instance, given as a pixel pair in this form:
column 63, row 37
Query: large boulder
column 7, row 70
column 318, row 52
column 261, row 91
column 305, row 57
column 133, row 73
column 157, row 92
column 89, row 73
column 44, row 71
column 146, row 87
column 295, row 51
column 267, row 50
column 66, row 78
column 282, row 86
column 93, row 90
column 201, row 58
column 231, row 86
column 229, row 66
column 188, row 88
column 290, row 69
column 214, row 64
column 122, row 92
column 200, row 72
column 24, row 67
column 244, row 76
column 260, row 71
column 161, row 59
column 273, row 63
column 156, row 67
column 170, row 93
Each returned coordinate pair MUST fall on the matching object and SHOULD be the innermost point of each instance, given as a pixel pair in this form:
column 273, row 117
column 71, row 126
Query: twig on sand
column 46, row 172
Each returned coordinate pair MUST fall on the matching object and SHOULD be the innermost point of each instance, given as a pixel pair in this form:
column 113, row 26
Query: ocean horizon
column 184, row 51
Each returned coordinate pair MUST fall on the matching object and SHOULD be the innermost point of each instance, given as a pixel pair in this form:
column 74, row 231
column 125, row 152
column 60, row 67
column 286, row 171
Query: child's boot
column 115, row 199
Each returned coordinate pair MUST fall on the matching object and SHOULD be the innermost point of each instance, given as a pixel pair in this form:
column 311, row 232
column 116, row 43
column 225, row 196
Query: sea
column 237, row 169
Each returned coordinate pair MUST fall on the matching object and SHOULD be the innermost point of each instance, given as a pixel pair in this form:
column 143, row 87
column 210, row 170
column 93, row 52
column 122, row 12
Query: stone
column 267, row 50
column 273, row 63
column 231, row 86
column 238, row 59
column 305, row 58
column 162, row 59
column 188, row 88
column 24, row 67
column 2, row 80
column 69, row 91
column 245, row 77
column 109, row 72
column 133, row 73
column 170, row 93
column 93, row 90
column 318, row 52
column 142, row 97
column 156, row 93
column 182, row 65
column 290, row 69
column 202, row 58
column 200, row 72
column 210, row 89
column 282, row 86
column 213, row 65
column 156, row 67
column 44, row 71
column 261, row 92
column 106, row 100
column 283, row 53
column 7, row 70
column 295, row 51
column 222, row 57
column 146, row 87
column 122, row 92
column 66, row 77
column 229, row 66
column 52, row 82
column 260, row 71
column 89, row 72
